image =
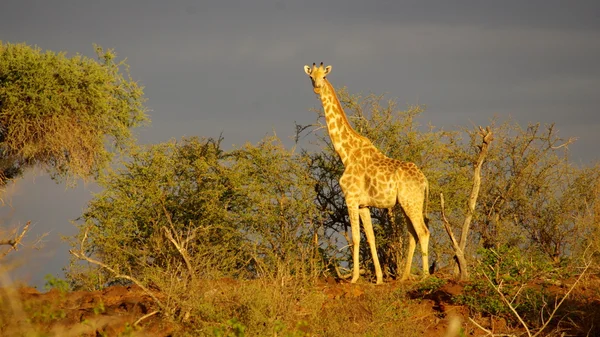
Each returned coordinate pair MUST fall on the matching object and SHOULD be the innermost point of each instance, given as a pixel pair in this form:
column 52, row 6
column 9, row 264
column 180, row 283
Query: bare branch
column 447, row 224
column 183, row 253
column 489, row 333
column 14, row 243
column 460, row 246
column 486, row 139
column 339, row 274
column 459, row 253
column 565, row 144
column 145, row 316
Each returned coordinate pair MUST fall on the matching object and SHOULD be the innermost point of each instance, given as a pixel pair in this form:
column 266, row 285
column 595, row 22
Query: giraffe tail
column 425, row 211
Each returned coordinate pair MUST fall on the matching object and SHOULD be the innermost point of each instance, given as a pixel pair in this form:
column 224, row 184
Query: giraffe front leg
column 355, row 224
column 365, row 216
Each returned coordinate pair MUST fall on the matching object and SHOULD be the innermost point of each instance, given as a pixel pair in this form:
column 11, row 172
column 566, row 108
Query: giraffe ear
column 327, row 70
column 307, row 70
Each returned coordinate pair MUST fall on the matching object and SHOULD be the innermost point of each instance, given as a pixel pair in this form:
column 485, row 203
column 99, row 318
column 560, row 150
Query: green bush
column 430, row 285
column 182, row 211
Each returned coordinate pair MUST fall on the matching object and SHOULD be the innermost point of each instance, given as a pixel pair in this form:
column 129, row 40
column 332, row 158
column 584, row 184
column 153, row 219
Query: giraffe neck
column 343, row 137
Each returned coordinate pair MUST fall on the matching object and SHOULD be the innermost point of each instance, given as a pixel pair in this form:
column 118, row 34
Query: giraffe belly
column 381, row 203
column 381, row 196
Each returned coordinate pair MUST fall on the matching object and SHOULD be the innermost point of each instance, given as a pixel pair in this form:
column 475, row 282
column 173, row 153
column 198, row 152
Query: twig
column 145, row 316
column 517, row 294
column 14, row 243
column 565, row 144
column 339, row 274
column 489, row 333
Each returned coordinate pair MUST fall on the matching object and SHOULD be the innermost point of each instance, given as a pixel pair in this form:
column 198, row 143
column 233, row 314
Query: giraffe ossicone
column 372, row 179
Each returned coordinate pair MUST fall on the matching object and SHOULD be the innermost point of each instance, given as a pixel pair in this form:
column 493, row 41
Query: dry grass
column 283, row 307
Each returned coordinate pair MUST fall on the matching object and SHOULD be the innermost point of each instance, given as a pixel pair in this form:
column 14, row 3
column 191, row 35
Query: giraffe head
column 317, row 75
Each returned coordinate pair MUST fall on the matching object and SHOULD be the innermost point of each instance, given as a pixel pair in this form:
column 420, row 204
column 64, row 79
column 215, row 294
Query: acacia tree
column 65, row 115
column 533, row 196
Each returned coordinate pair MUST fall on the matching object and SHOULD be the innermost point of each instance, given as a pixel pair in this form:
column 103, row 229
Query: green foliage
column 58, row 112
column 430, row 285
column 511, row 264
column 99, row 308
column 275, row 209
column 47, row 313
column 53, row 282
column 128, row 331
column 481, row 298
column 233, row 328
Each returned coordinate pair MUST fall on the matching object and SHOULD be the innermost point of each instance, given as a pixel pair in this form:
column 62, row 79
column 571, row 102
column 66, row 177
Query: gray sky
column 236, row 67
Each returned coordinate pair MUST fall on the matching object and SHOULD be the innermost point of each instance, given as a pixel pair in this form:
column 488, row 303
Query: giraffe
column 371, row 179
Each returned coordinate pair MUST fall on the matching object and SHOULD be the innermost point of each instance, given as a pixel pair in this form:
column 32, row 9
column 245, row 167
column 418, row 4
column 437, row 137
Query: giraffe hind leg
column 409, row 255
column 420, row 233
column 413, row 209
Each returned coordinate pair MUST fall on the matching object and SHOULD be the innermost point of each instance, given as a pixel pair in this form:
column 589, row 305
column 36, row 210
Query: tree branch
column 460, row 246
column 181, row 251
column 14, row 243
column 459, row 253
column 486, row 135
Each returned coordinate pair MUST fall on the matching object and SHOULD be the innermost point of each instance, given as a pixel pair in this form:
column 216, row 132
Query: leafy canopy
column 66, row 115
